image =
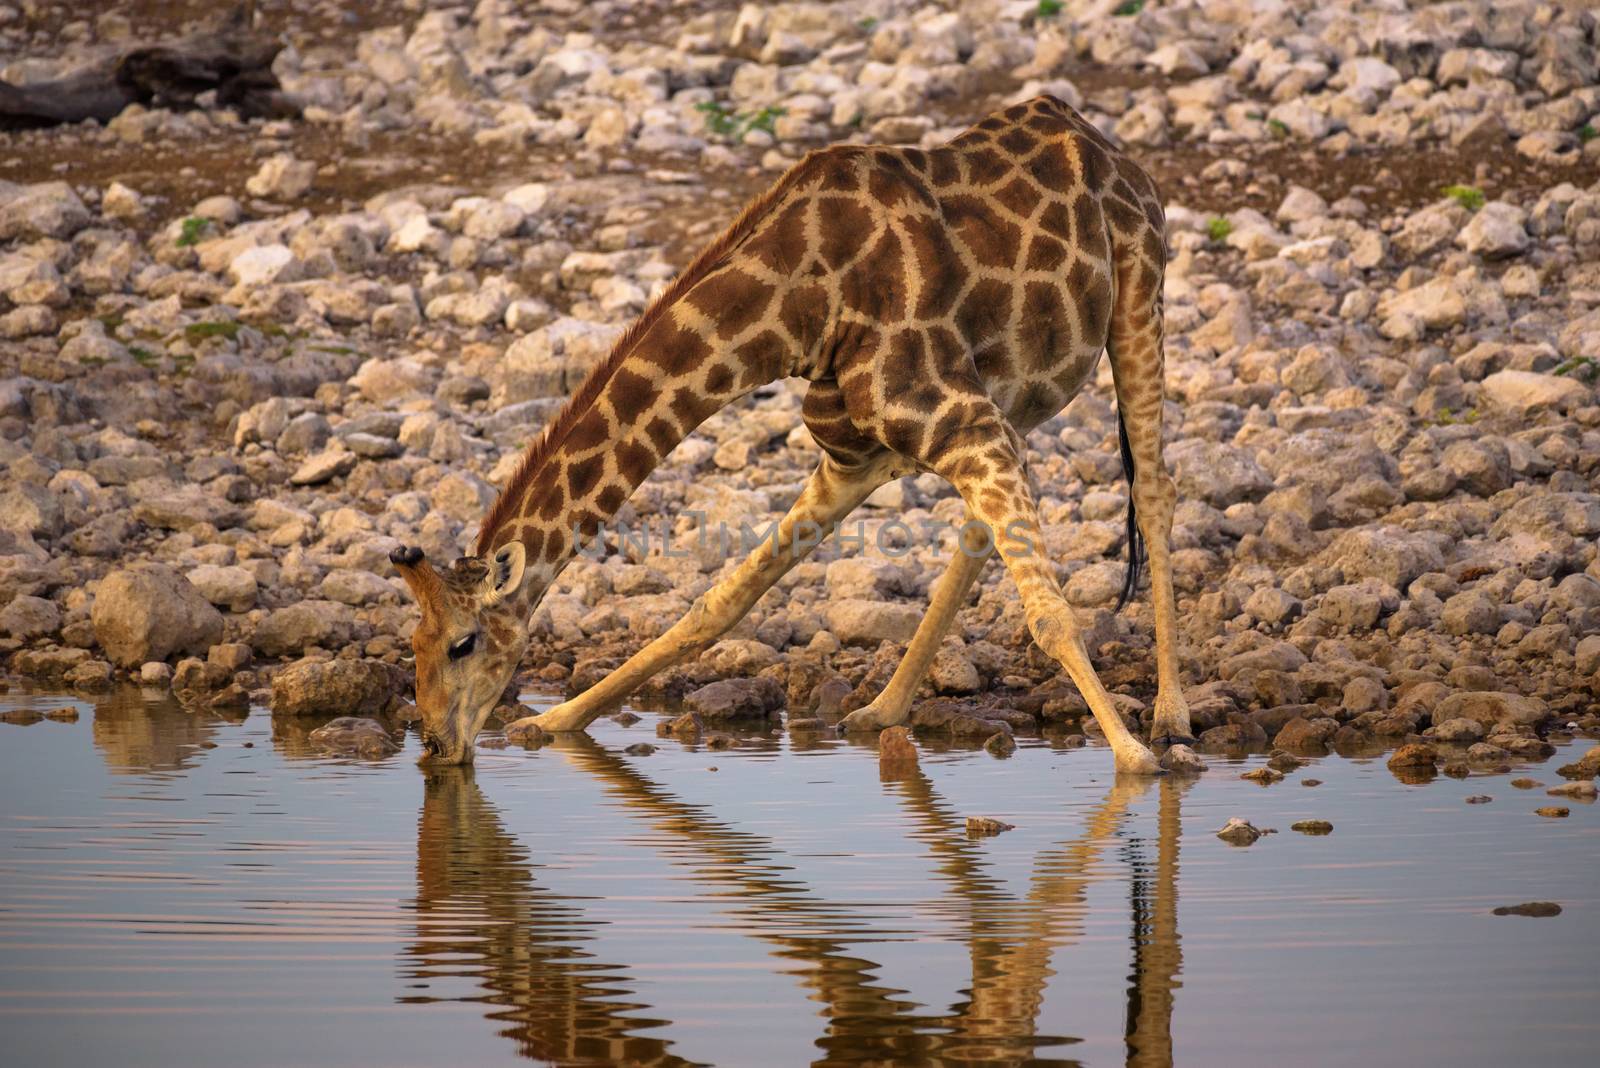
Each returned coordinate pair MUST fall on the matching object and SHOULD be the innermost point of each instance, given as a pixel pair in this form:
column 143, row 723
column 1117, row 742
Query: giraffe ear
column 506, row 569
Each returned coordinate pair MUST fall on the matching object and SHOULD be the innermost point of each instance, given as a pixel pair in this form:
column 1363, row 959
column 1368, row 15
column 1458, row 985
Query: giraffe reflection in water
column 480, row 911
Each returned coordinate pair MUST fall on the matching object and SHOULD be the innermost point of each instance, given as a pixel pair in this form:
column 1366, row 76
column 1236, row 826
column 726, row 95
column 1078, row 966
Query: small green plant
column 191, row 229
column 1468, row 196
column 720, row 119
column 1218, row 228
column 144, row 356
column 1587, row 132
column 196, row 332
column 1448, row 417
column 1048, row 9
column 725, row 122
column 1584, row 367
column 868, row 24
column 763, row 120
column 1128, row 8
column 1278, row 128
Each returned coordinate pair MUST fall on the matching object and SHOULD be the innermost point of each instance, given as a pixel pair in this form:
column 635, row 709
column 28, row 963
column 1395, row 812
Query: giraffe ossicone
column 940, row 303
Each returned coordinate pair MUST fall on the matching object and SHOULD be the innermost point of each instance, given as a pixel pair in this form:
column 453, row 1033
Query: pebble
column 1240, row 832
column 1530, row 908
column 984, row 826
column 1312, row 827
column 1554, row 812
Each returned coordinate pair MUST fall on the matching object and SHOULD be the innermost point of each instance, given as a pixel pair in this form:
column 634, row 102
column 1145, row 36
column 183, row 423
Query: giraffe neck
column 634, row 409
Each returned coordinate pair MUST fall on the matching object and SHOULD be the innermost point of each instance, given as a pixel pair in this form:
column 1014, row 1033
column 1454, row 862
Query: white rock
column 1522, row 392
column 282, row 177
column 264, row 265
column 1496, row 231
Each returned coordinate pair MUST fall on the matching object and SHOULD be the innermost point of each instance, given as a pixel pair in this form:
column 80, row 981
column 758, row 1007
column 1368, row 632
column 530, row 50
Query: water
column 179, row 889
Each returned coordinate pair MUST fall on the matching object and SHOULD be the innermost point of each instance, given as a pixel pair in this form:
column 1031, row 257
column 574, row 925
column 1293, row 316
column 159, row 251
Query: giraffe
column 939, row 303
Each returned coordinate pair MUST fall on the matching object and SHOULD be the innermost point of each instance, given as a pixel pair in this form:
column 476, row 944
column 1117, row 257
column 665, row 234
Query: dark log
column 229, row 58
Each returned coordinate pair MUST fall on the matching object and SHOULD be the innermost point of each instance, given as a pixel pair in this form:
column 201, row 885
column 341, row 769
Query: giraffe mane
column 555, row 432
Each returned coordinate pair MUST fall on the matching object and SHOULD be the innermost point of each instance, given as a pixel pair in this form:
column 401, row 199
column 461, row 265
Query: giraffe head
column 472, row 634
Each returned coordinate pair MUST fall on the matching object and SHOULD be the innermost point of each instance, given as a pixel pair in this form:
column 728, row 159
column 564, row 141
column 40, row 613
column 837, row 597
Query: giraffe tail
column 1130, row 582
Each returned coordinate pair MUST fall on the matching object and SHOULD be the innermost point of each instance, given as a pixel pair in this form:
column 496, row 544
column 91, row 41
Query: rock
column 1263, row 776
column 1470, row 612
column 1521, row 393
column 48, row 209
column 1413, row 756
column 1221, row 475
column 1491, row 708
column 1301, row 735
column 1530, row 908
column 896, row 752
column 1585, row 767
column 861, row 622
column 1553, row 812
column 1239, row 832
column 1391, row 554
column 984, row 826
column 148, row 612
column 327, row 624
column 317, row 687
column 187, row 508
column 282, row 177
column 640, row 749
column 264, row 265
column 1459, row 729
column 355, row 735
column 953, row 673
column 230, row 587
column 1181, row 760
column 1497, row 230
column 27, row 618
column 323, row 467
column 1000, row 744
column 1578, row 791
column 526, row 732
column 1312, row 827
column 757, row 698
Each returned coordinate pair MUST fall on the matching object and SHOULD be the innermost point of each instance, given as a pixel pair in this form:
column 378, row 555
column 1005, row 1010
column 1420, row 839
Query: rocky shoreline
column 244, row 360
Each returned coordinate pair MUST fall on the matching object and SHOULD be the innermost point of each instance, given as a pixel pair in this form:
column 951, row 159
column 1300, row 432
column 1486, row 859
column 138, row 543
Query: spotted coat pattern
column 940, row 303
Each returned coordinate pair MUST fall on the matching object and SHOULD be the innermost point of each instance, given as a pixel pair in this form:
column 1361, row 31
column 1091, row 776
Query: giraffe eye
column 463, row 647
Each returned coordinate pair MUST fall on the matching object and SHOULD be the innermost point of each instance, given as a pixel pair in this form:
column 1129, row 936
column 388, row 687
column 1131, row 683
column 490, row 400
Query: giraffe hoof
column 1166, row 741
column 1137, row 760
column 867, row 718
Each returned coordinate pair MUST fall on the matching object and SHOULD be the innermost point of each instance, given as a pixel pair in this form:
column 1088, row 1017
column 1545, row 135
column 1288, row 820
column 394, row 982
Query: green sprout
column 725, row 122
column 1048, row 9
column 868, row 24
column 1584, row 367
column 1218, row 228
column 1587, row 132
column 196, row 332
column 192, row 228
column 1278, row 128
column 1128, row 8
column 1468, row 196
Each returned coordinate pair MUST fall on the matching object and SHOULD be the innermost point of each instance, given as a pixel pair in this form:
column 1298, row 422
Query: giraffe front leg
column 832, row 493
column 892, row 707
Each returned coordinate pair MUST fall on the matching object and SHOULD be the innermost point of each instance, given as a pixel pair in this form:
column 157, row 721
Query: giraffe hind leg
column 984, row 462
column 892, row 707
column 1138, row 369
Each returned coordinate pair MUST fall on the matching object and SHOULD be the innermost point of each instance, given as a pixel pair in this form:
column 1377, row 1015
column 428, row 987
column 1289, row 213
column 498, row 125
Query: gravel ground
column 244, row 360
